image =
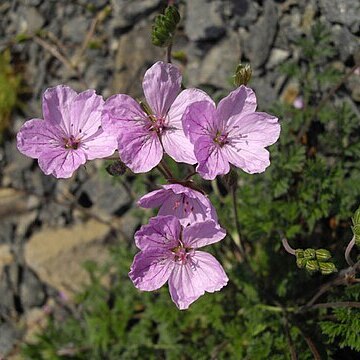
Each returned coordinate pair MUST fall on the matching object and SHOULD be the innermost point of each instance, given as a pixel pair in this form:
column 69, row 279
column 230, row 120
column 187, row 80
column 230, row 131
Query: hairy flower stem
column 163, row 172
column 287, row 247
column 237, row 223
column 168, row 53
column 166, row 169
column 348, row 251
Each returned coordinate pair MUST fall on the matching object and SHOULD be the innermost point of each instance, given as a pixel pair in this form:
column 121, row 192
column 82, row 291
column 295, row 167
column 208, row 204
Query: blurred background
column 50, row 228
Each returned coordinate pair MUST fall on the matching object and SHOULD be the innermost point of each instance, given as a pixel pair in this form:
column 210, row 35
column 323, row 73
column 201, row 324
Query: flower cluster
column 184, row 124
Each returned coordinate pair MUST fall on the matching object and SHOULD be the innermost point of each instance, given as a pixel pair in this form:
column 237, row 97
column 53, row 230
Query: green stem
column 236, row 216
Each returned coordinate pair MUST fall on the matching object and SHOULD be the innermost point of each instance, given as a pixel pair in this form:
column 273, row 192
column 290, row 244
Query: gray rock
column 265, row 92
column 31, row 2
column 131, row 60
column 105, row 195
column 343, row 12
column 97, row 4
column 8, row 337
column 32, row 291
column 75, row 29
column 277, row 56
column 34, row 19
column 203, row 20
column 220, row 62
column 345, row 41
column 243, row 12
column 262, row 35
column 126, row 12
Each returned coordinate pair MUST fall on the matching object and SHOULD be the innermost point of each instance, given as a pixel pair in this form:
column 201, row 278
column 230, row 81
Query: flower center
column 71, row 143
column 182, row 254
column 157, row 124
column 221, row 139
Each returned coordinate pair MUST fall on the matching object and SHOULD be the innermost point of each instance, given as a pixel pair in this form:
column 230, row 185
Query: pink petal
column 240, row 101
column 200, row 119
column 120, row 111
column 61, row 162
column 139, row 148
column 150, row 270
column 85, row 115
column 154, row 199
column 99, row 145
column 183, row 100
column 248, row 158
column 210, row 156
column 187, row 205
column 162, row 232
column 36, row 136
column 57, row 106
column 188, row 282
column 202, row 233
column 254, row 129
column 178, row 146
column 161, row 84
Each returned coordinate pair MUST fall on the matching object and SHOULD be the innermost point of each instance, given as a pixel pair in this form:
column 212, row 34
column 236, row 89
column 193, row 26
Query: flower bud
column 164, row 27
column 116, row 168
column 309, row 254
column 299, row 253
column 312, row 265
column 322, row 254
column 327, row 268
column 242, row 75
column 301, row 262
column 356, row 218
column 356, row 231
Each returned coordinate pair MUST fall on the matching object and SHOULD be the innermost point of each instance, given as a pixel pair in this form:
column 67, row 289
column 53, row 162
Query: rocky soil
column 50, row 227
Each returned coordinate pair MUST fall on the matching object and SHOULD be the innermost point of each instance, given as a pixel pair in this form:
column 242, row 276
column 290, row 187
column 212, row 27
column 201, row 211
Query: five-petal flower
column 169, row 252
column 233, row 133
column 144, row 133
column 186, row 204
column 70, row 133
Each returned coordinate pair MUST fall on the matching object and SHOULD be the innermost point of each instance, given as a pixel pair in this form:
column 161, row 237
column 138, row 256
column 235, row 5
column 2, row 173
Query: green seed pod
column 309, row 254
column 312, row 265
column 242, row 75
column 327, row 268
column 322, row 254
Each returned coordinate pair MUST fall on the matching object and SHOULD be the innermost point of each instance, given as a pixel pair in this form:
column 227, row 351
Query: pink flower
column 169, row 252
column 298, row 103
column 70, row 133
column 232, row 133
column 186, row 204
column 144, row 136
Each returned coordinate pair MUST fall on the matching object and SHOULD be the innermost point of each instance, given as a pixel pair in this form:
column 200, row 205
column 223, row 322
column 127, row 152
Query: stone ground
column 48, row 226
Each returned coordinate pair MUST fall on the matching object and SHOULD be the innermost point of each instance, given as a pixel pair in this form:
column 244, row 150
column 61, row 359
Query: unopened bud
column 164, row 27
column 356, row 231
column 301, row 262
column 309, row 254
column 116, row 168
column 327, row 268
column 299, row 253
column 312, row 265
column 356, row 218
column 242, row 75
column 322, row 254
